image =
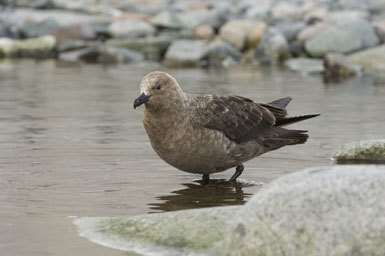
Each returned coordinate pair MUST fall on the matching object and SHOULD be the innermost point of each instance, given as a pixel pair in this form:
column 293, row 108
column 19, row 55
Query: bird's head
column 158, row 90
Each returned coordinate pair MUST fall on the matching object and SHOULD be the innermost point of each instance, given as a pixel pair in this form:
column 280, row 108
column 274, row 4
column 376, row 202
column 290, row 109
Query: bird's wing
column 239, row 118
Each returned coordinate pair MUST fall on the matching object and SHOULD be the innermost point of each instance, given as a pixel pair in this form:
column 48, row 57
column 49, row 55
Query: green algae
column 370, row 151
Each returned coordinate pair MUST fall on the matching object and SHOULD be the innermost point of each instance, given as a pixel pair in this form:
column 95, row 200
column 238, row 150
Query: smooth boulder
column 319, row 211
column 186, row 53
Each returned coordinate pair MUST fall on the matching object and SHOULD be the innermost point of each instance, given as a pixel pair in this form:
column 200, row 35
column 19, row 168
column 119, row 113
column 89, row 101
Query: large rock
column 41, row 47
column 38, row 29
column 305, row 65
column 273, row 48
column 186, row 53
column 221, row 54
column 173, row 20
column 338, row 67
column 372, row 60
column 344, row 37
column 367, row 151
column 242, row 33
column 319, row 211
column 131, row 28
column 285, row 10
column 191, row 232
column 74, row 32
column 153, row 48
column 312, row 31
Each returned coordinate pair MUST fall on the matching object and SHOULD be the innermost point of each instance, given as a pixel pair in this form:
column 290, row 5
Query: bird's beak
column 141, row 99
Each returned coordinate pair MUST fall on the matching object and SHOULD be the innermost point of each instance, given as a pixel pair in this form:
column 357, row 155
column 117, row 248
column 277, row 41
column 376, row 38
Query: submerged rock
column 338, row 67
column 305, row 65
column 366, row 151
column 41, row 47
column 371, row 60
column 186, row 53
column 319, row 211
column 190, row 232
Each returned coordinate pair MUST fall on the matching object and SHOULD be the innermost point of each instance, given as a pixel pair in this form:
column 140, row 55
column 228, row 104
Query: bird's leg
column 205, row 179
column 238, row 172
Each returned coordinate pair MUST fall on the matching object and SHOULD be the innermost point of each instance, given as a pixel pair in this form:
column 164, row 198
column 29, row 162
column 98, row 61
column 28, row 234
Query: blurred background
column 72, row 144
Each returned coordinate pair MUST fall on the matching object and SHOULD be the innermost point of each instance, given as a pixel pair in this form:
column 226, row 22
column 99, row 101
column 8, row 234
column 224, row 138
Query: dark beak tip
column 143, row 98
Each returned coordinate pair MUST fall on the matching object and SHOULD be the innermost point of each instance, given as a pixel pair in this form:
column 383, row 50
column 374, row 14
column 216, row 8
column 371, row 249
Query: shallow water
column 72, row 145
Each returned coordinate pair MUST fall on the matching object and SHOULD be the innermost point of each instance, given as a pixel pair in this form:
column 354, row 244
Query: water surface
column 72, row 145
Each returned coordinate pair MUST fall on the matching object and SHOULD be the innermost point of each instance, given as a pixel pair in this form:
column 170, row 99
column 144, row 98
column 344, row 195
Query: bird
column 206, row 134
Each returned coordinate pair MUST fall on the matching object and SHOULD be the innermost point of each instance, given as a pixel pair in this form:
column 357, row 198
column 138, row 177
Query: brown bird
column 205, row 134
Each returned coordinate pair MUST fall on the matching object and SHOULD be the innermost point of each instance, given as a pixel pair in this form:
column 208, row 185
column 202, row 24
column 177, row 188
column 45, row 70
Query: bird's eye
column 158, row 86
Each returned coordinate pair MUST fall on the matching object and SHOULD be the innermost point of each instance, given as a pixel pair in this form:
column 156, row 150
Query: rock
column 150, row 7
column 173, row 20
column 285, row 10
column 191, row 232
column 102, row 54
column 204, row 32
column 101, row 28
column 41, row 47
column 213, row 17
column 131, row 29
column 273, row 48
column 305, row 65
column 290, row 29
column 343, row 38
column 38, row 29
column 153, row 48
column 242, row 33
column 186, row 53
column 371, row 60
column 379, row 27
column 312, row 31
column 338, row 67
column 366, row 151
column 221, row 54
column 71, row 45
column 258, row 10
column 346, row 15
column 37, row 4
column 74, row 32
column 319, row 211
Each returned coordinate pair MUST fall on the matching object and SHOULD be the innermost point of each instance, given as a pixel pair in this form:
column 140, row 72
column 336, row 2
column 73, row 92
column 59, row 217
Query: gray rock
column 290, row 29
column 305, row 65
column 379, row 27
column 174, row 20
column 102, row 54
column 71, row 45
column 38, row 29
column 37, row 4
column 153, row 48
column 319, row 211
column 338, row 68
column 345, row 37
column 273, row 48
column 220, row 54
column 74, row 32
column 286, row 10
column 191, row 232
column 371, row 60
column 131, row 29
column 186, row 53
column 366, row 151
column 312, row 31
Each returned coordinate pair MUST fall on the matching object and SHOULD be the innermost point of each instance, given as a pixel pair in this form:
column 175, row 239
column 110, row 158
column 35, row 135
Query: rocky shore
column 338, row 38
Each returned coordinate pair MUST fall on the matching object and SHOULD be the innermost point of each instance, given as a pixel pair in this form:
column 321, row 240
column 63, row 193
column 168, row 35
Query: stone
column 257, row 10
column 40, row 47
column 242, row 33
column 153, row 48
column 371, row 60
column 103, row 55
column 220, row 54
column 190, row 232
column 173, row 20
column 71, row 45
column 131, row 29
column 346, row 15
column 285, row 10
column 338, row 68
column 379, row 27
column 366, row 151
column 273, row 48
column 74, row 32
column 312, row 31
column 38, row 29
column 290, row 29
column 204, row 32
column 186, row 53
column 305, row 65
column 332, row 211
column 344, row 37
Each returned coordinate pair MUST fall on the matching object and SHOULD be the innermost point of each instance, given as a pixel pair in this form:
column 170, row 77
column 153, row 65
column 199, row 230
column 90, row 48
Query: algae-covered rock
column 322, row 211
column 190, row 232
column 34, row 47
column 361, row 151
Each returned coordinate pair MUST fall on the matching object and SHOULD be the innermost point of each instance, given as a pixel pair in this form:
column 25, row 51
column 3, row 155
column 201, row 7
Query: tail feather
column 291, row 120
column 281, row 103
column 282, row 137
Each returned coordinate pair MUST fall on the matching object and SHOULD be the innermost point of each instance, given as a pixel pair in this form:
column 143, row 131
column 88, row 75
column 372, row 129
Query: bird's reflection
column 195, row 195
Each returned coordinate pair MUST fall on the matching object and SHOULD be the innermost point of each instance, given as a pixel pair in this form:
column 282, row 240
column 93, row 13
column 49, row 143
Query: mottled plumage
column 205, row 134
